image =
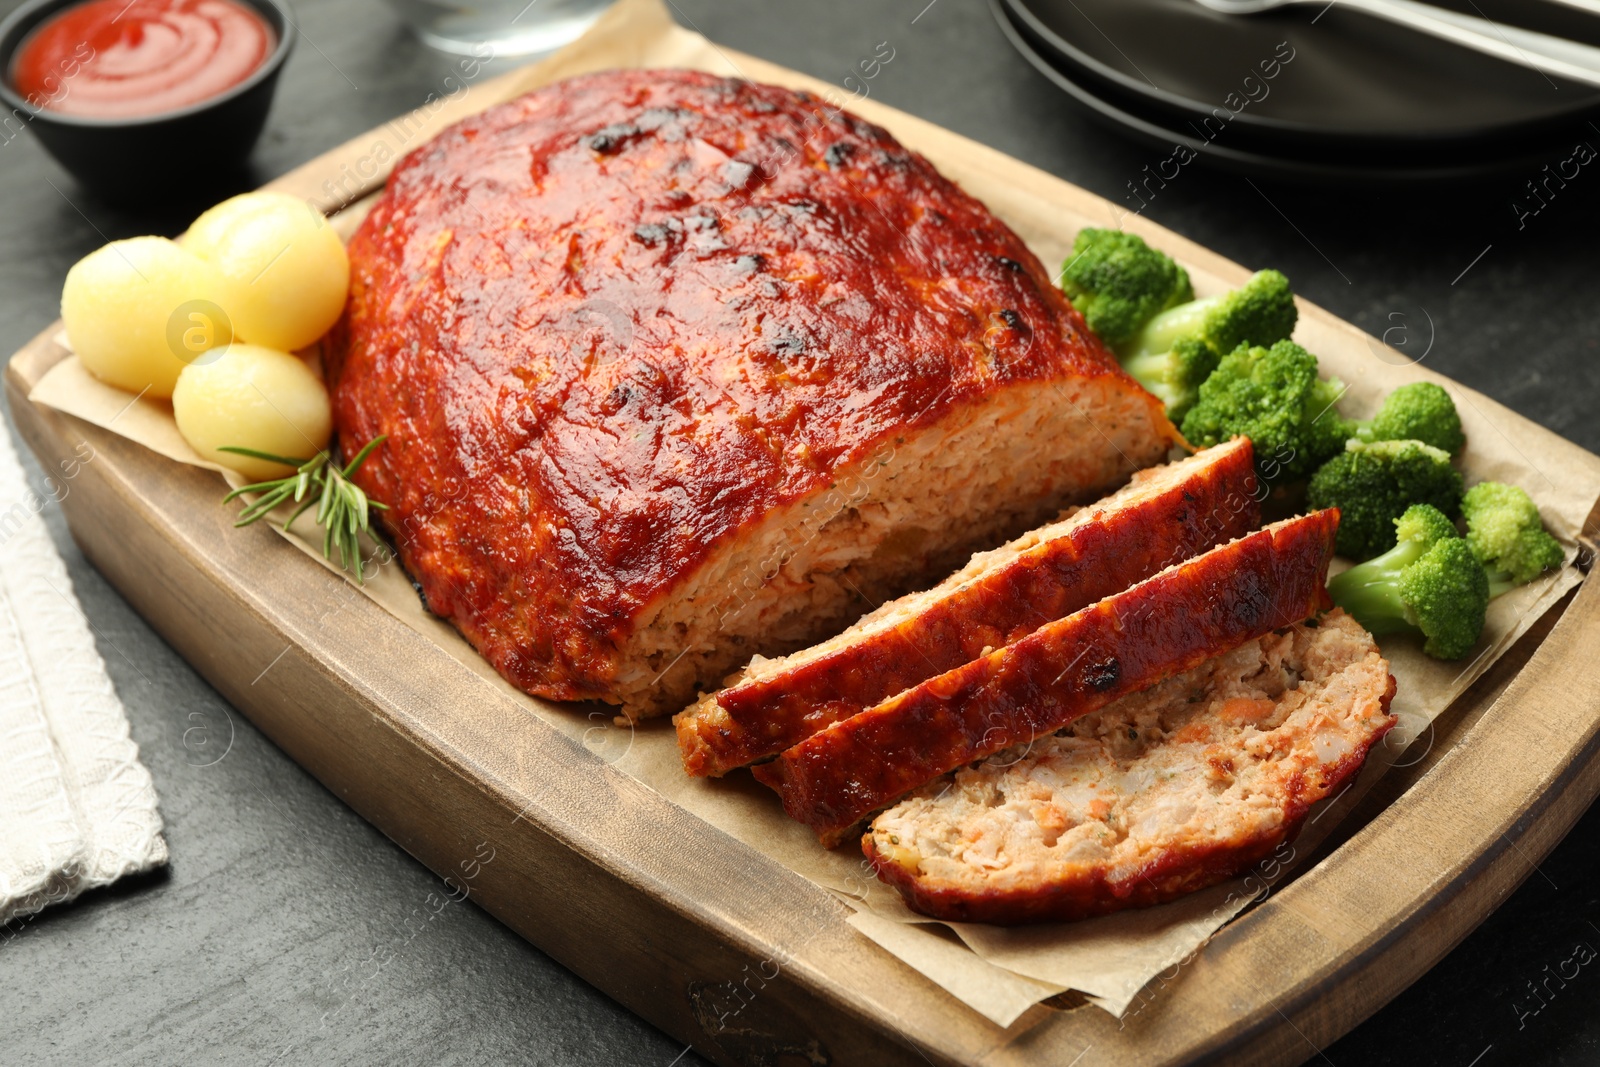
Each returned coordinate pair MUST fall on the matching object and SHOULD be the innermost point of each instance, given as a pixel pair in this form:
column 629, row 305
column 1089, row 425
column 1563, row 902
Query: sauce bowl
column 146, row 157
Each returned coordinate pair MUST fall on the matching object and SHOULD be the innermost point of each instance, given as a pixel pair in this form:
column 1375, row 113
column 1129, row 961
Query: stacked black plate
column 1316, row 93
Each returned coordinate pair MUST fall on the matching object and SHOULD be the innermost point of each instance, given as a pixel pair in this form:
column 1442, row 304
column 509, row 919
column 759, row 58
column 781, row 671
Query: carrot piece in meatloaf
column 1156, row 795
column 678, row 369
column 1166, row 514
column 1127, row 642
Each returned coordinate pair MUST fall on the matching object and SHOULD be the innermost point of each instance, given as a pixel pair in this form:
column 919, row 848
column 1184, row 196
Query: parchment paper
column 998, row 972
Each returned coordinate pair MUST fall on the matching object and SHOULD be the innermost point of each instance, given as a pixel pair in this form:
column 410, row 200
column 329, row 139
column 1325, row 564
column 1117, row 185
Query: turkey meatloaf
column 677, row 369
column 1157, row 795
column 1166, row 514
column 1127, row 642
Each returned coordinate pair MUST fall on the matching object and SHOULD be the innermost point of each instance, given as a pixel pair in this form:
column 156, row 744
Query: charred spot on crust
column 617, row 398
column 1012, row 319
column 787, row 343
column 839, row 153
column 1103, row 675
column 700, row 221
column 421, row 594
column 651, row 233
column 610, row 140
column 1009, row 264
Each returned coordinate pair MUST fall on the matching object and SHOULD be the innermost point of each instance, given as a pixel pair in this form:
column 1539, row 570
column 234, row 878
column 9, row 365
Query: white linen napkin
column 77, row 808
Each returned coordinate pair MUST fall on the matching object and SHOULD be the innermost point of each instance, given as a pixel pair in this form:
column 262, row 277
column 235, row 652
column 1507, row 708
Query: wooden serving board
column 711, row 940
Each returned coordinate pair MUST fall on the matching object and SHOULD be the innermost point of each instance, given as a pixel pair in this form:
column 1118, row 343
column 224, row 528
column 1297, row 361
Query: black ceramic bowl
column 159, row 156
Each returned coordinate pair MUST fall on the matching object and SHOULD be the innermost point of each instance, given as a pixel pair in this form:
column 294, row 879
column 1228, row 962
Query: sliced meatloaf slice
column 1127, row 642
column 678, row 369
column 1166, row 514
column 1159, row 794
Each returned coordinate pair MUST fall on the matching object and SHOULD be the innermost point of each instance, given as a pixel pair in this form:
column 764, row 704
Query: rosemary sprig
column 343, row 510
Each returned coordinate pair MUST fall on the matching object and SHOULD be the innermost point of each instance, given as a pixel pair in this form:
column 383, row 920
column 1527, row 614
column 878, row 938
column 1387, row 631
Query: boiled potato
column 287, row 270
column 253, row 397
column 137, row 311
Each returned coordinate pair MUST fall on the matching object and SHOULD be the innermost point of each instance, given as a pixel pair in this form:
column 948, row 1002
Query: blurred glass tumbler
column 509, row 27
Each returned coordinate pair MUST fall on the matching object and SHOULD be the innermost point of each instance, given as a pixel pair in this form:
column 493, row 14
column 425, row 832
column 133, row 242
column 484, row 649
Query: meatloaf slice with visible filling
column 1159, row 794
column 1127, row 642
column 1164, row 515
column 677, row 369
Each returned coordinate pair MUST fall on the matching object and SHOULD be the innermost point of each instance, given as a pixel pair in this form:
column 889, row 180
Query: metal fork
column 1541, row 51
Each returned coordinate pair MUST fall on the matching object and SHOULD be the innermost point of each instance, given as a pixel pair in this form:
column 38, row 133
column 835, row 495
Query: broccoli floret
column 1506, row 535
column 1372, row 485
column 1259, row 312
column 1274, row 397
column 1117, row 282
column 1175, row 376
column 1439, row 584
column 1420, row 411
column 1429, row 583
column 1139, row 301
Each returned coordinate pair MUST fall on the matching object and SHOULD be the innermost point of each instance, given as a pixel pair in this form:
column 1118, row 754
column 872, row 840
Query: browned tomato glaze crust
column 1127, row 642
column 1176, row 872
column 611, row 324
column 1094, row 560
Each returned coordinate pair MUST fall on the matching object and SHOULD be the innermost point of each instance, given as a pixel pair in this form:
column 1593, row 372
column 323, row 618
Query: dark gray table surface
column 258, row 943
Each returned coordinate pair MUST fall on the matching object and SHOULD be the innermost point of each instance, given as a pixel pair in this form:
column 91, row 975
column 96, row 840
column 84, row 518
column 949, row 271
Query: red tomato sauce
column 114, row 59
